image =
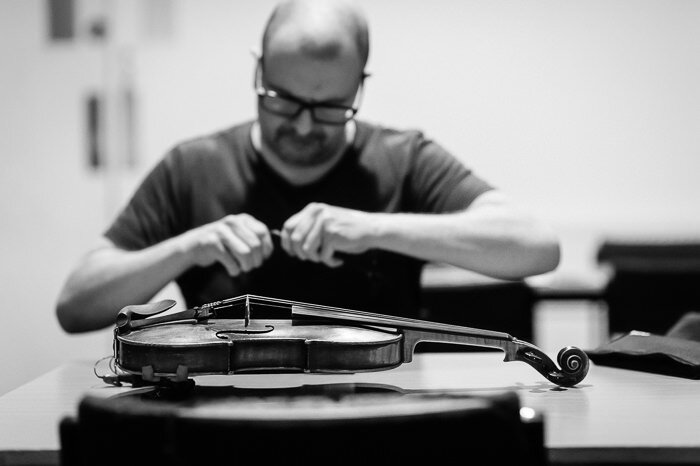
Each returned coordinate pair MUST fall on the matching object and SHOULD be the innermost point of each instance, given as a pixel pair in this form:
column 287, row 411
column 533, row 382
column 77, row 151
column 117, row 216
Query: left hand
column 319, row 230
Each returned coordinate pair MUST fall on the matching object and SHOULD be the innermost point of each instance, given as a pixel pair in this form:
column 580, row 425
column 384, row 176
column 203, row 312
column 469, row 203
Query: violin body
column 254, row 334
column 217, row 347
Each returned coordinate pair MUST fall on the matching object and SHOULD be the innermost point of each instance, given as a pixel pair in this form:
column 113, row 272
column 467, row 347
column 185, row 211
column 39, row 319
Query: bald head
column 319, row 29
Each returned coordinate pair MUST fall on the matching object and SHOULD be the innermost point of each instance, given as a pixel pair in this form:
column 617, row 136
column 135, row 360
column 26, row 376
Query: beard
column 308, row 150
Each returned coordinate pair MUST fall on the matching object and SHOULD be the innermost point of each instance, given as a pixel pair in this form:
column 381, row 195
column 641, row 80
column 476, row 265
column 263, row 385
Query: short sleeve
column 151, row 214
column 438, row 182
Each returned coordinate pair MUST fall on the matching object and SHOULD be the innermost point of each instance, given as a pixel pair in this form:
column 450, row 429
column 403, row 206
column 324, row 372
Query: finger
column 294, row 233
column 311, row 226
column 284, row 241
column 261, row 231
column 286, row 231
column 299, row 239
column 245, row 233
column 312, row 242
column 328, row 254
column 267, row 244
column 296, row 237
column 224, row 258
column 238, row 249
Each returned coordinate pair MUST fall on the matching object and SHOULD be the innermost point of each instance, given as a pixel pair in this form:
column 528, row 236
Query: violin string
column 285, row 304
column 337, row 309
column 363, row 316
column 390, row 320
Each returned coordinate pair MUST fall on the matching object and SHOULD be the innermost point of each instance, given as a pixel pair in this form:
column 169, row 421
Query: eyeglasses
column 289, row 106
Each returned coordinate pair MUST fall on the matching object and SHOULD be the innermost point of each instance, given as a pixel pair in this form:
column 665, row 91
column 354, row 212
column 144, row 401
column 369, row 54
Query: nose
column 303, row 122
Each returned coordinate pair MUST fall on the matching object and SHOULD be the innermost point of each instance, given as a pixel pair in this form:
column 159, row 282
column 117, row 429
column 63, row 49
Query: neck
column 300, row 176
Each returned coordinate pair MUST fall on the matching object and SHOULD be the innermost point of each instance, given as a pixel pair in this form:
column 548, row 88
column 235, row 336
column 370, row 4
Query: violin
column 256, row 334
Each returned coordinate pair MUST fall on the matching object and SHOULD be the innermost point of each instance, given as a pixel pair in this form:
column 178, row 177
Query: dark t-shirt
column 384, row 170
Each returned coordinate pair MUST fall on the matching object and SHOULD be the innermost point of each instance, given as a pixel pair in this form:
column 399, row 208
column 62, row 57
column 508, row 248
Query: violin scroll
column 574, row 363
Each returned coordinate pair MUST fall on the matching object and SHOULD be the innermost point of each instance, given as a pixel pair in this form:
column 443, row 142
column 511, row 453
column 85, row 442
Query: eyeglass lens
column 322, row 113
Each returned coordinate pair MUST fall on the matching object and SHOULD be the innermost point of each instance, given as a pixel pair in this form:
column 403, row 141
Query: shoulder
column 209, row 152
column 200, row 160
column 407, row 145
column 372, row 134
column 402, row 149
column 214, row 144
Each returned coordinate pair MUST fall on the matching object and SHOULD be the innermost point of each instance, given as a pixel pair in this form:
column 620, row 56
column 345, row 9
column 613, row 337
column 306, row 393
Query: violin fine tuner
column 229, row 337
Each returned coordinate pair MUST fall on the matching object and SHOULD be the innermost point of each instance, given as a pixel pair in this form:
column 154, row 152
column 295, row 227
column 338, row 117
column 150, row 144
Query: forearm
column 491, row 238
column 109, row 278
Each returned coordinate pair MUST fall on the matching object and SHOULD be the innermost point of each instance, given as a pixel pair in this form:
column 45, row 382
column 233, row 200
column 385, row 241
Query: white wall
column 51, row 207
column 586, row 112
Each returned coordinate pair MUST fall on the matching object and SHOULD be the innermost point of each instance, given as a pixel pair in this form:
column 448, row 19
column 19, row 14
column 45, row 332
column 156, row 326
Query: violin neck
column 414, row 330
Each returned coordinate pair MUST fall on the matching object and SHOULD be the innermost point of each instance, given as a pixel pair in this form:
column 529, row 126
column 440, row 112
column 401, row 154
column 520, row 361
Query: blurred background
column 586, row 112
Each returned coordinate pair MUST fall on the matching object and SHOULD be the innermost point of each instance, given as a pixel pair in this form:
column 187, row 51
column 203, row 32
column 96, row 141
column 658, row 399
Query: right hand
column 238, row 242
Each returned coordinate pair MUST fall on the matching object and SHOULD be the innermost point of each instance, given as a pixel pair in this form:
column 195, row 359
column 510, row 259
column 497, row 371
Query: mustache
column 311, row 138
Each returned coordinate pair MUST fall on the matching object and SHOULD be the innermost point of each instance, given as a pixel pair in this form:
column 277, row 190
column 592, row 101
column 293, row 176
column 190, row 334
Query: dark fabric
column 677, row 353
column 687, row 328
column 205, row 179
column 356, row 429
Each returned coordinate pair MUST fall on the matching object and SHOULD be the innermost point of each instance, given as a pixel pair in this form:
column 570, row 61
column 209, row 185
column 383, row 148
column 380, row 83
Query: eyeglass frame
column 261, row 91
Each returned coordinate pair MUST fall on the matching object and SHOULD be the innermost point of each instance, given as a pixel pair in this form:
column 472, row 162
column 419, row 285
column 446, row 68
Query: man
column 305, row 203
